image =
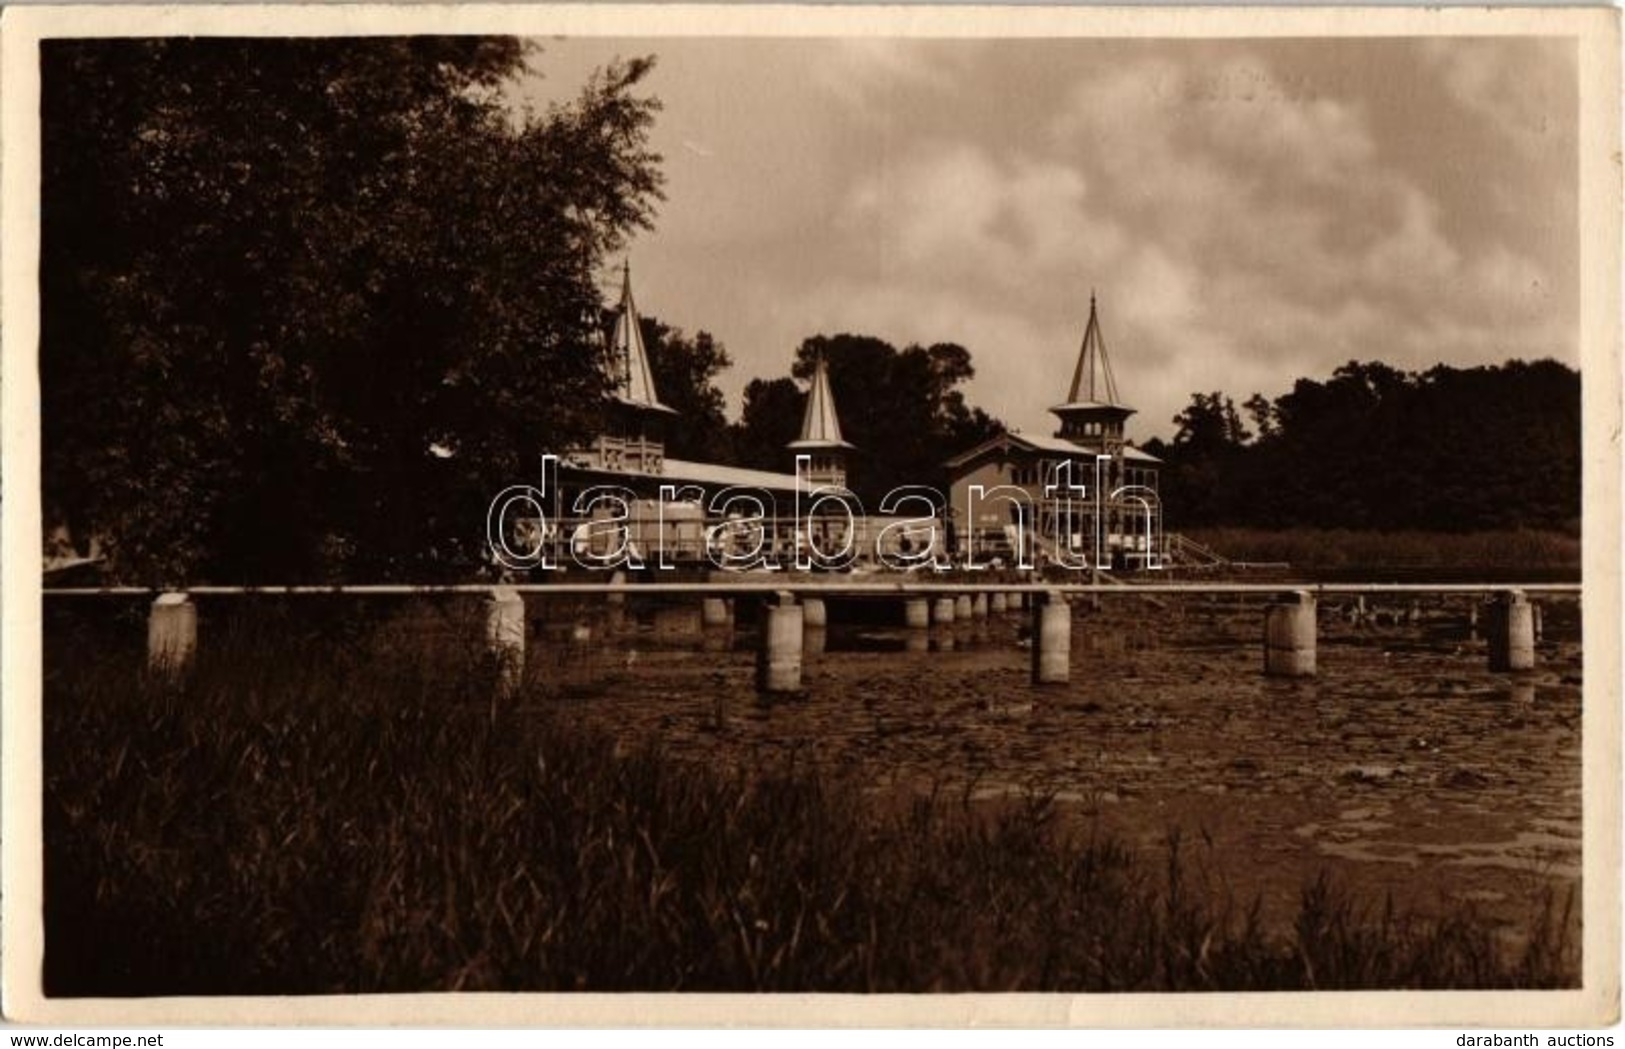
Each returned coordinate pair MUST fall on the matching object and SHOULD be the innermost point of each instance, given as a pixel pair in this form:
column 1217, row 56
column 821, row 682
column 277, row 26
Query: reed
column 322, row 811
column 1308, row 548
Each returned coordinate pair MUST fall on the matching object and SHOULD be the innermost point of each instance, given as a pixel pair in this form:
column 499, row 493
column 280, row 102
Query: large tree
column 1201, row 484
column 769, row 419
column 685, row 371
column 307, row 304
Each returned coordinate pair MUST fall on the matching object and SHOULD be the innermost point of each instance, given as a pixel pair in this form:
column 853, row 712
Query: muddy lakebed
column 1404, row 770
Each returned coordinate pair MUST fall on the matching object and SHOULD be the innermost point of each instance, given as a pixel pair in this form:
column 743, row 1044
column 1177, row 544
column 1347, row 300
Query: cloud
column 1248, row 211
column 863, row 71
column 1303, row 237
column 952, row 212
column 1517, row 85
column 1243, row 230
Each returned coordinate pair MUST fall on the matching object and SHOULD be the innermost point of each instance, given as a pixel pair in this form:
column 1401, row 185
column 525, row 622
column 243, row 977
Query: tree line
column 1446, row 449
column 307, row 304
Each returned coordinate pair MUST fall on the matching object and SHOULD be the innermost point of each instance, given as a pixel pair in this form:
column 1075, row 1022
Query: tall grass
column 329, row 813
column 1312, row 548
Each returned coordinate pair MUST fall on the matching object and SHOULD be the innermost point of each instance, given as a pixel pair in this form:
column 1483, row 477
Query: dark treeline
column 1448, row 449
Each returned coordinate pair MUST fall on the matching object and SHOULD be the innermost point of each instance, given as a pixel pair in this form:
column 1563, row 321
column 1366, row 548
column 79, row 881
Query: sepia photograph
column 935, row 509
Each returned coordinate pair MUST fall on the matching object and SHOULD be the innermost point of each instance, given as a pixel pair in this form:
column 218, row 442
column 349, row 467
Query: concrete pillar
column 1289, row 636
column 943, row 610
column 962, row 607
column 778, row 660
column 916, row 639
column 1017, row 601
column 714, row 611
column 998, row 604
column 505, row 637
column 171, row 634
column 1052, row 639
column 813, row 613
column 1512, row 632
column 1540, row 619
column 916, row 613
column 1413, row 614
column 978, row 605
column 814, row 640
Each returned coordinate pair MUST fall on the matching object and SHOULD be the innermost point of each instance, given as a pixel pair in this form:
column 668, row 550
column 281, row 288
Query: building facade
column 1083, row 495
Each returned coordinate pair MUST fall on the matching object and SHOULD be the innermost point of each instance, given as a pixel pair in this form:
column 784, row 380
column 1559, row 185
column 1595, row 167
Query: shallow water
column 1405, row 767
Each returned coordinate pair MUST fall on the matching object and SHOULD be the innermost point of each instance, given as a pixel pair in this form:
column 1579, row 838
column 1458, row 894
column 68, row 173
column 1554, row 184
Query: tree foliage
column 1448, row 449
column 903, row 409
column 307, row 304
column 769, row 419
column 1206, row 451
column 685, row 371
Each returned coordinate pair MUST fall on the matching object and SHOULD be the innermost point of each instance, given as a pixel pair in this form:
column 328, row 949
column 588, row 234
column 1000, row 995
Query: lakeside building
column 1011, row 492
column 668, row 507
column 1084, row 496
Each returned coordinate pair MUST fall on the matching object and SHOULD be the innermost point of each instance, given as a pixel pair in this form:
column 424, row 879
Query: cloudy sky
column 1247, row 211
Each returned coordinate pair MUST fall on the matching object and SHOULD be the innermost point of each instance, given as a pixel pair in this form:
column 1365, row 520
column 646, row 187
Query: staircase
column 1184, row 552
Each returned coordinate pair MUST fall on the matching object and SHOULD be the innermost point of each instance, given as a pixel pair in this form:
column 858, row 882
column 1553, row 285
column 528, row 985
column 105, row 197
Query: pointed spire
column 628, row 357
column 820, row 426
column 1092, row 380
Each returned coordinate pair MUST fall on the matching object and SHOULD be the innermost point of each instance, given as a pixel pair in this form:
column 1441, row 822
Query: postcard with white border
column 811, row 516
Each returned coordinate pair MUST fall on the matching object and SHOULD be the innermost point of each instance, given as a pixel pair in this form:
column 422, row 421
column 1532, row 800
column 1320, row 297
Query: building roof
column 732, row 476
column 1033, row 442
column 629, row 358
column 820, row 426
column 1096, row 407
column 1092, row 381
column 712, row 475
column 1061, row 444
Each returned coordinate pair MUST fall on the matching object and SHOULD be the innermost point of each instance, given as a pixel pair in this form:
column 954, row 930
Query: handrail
column 1181, row 545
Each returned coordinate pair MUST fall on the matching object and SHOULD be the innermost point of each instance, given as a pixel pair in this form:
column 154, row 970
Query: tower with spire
column 1121, row 521
column 820, row 438
column 1092, row 415
column 632, row 438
